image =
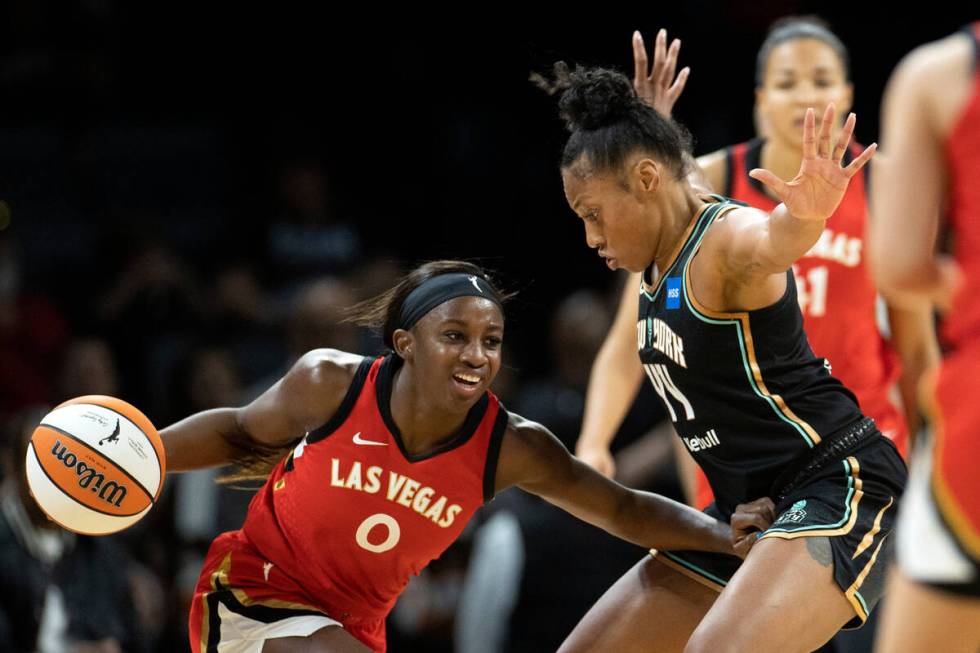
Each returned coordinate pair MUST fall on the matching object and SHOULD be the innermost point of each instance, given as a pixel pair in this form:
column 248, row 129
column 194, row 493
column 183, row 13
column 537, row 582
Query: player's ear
column 403, row 342
column 646, row 175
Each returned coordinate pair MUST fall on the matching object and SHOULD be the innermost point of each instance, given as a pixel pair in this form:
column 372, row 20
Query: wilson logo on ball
column 110, row 492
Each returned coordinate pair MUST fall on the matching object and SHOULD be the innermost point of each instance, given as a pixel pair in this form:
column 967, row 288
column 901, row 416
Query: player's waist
column 831, row 448
column 338, row 597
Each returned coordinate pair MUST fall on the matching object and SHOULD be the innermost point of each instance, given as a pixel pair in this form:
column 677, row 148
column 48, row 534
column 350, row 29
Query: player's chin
column 629, row 266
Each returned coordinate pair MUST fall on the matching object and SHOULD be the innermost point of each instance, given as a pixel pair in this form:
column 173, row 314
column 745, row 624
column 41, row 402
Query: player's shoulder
column 733, row 216
column 928, row 65
column 324, row 370
column 529, row 436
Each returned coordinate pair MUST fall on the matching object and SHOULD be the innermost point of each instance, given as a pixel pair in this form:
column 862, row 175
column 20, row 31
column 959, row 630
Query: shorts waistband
column 830, row 449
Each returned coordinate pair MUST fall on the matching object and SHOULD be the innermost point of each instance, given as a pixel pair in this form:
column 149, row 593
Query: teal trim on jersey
column 863, row 604
column 741, row 345
column 698, row 570
column 710, row 210
column 847, row 510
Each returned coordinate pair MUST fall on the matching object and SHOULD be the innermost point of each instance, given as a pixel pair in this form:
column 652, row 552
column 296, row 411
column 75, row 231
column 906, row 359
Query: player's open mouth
column 467, row 380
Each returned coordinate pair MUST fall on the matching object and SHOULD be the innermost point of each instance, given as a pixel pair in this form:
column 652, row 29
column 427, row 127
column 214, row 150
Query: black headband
column 441, row 289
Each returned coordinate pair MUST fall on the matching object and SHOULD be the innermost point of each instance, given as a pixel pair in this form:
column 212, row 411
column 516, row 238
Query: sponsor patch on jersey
column 673, row 292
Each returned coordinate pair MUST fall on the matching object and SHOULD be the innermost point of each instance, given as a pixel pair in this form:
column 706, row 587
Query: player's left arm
column 536, row 461
column 755, row 244
column 913, row 336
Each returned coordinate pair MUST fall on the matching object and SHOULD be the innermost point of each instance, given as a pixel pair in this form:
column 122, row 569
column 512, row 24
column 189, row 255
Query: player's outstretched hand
column 820, row 184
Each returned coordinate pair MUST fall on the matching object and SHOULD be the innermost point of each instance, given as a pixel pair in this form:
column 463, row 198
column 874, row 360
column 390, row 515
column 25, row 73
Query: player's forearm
column 654, row 521
column 615, row 380
column 789, row 237
column 205, row 439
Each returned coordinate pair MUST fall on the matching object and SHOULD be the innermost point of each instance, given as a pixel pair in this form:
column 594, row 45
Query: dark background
column 169, row 121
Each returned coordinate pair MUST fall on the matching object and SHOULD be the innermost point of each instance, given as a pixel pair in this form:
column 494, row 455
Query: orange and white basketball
column 95, row 465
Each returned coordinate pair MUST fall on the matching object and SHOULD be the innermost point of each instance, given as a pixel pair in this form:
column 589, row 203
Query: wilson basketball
column 95, row 465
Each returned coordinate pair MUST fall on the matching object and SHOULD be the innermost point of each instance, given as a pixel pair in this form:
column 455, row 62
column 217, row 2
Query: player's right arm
column 615, row 379
column 306, row 397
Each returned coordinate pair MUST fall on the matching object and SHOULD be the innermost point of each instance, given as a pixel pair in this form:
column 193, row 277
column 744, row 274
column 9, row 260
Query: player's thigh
column 651, row 608
column 920, row 618
column 331, row 639
column 782, row 599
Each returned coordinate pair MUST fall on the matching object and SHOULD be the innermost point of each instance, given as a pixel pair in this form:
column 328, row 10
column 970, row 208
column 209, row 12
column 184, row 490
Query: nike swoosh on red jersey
column 359, row 440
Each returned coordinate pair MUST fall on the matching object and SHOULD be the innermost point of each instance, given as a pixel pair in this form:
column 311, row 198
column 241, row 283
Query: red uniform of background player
column 378, row 466
column 931, row 127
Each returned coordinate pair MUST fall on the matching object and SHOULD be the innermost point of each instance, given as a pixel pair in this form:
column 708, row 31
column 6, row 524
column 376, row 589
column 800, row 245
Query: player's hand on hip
column 599, row 458
column 657, row 86
column 748, row 521
column 820, row 184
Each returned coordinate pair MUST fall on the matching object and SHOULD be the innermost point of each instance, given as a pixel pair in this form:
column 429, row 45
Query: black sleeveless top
column 744, row 390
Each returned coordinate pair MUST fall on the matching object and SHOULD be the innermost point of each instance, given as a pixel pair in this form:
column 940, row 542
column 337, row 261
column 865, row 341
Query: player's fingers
column 659, row 55
column 777, row 185
column 809, row 137
column 677, row 87
column 862, row 159
column 640, row 64
column 764, row 506
column 844, row 138
column 823, row 140
column 670, row 65
column 743, row 522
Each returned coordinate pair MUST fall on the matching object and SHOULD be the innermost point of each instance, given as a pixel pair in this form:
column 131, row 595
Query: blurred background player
column 931, row 127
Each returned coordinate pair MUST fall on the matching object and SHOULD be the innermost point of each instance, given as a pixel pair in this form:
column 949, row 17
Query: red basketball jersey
column 956, row 412
column 836, row 294
column 350, row 515
column 962, row 324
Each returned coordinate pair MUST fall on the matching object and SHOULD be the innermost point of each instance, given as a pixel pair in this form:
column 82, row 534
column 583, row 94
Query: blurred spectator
column 88, row 368
column 150, row 315
column 62, row 593
column 32, row 333
column 317, row 318
column 307, row 239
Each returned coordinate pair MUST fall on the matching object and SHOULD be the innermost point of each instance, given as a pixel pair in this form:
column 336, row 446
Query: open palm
column 819, row 186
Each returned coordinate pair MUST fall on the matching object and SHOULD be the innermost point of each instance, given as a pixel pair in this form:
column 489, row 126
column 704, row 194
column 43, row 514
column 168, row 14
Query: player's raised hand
column 656, row 85
column 820, row 184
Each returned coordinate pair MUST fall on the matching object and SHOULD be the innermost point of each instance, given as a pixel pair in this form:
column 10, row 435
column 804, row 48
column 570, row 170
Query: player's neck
column 781, row 158
column 678, row 209
column 423, row 424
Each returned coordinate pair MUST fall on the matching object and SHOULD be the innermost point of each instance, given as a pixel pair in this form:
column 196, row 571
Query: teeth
column 468, row 378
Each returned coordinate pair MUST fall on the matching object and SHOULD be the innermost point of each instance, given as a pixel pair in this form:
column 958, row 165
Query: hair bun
column 592, row 98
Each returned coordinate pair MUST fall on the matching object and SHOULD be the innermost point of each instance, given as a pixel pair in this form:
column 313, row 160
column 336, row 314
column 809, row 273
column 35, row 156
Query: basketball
column 95, row 465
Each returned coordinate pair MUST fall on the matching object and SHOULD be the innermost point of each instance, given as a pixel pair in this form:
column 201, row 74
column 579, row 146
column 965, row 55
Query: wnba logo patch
column 795, row 514
column 673, row 293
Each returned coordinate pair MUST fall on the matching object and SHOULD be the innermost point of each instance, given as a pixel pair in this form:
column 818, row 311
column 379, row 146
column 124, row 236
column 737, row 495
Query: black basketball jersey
column 744, row 390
